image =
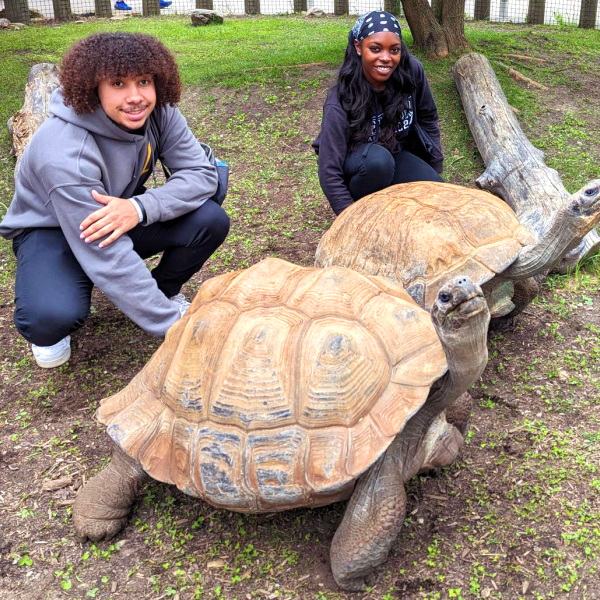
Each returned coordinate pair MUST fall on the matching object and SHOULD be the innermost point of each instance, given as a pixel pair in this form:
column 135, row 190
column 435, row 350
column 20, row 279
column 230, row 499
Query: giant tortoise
column 286, row 386
column 422, row 234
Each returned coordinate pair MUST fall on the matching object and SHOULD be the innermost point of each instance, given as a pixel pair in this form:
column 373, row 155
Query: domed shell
column 422, row 234
column 279, row 387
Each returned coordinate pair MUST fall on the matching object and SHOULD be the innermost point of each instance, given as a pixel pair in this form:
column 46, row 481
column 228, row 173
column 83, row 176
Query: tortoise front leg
column 103, row 505
column 371, row 523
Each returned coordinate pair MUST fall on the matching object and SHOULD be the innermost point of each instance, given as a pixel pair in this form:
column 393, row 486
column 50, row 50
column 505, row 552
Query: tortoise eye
column 591, row 191
column 445, row 297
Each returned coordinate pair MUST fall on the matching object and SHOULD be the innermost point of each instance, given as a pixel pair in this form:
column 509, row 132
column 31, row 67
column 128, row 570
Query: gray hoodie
column 70, row 155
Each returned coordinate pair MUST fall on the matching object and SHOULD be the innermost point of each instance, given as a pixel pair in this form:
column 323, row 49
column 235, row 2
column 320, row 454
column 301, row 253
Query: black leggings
column 370, row 167
column 52, row 292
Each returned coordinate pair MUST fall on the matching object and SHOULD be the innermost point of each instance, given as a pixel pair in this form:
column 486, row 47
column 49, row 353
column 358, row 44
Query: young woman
column 81, row 215
column 380, row 121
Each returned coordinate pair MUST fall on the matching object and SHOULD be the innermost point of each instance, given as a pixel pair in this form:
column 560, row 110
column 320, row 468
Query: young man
column 81, row 216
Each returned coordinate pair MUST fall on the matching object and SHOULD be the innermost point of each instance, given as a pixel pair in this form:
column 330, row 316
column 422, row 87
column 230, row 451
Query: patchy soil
column 517, row 516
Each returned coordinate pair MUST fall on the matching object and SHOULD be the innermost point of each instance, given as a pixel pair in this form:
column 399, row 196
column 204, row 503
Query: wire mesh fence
column 581, row 13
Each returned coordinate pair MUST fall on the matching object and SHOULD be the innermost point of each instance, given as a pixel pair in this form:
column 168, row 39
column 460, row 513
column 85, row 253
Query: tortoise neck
column 566, row 232
column 466, row 354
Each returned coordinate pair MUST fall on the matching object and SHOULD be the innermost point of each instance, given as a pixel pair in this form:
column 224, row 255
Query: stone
column 4, row 23
column 203, row 16
column 315, row 12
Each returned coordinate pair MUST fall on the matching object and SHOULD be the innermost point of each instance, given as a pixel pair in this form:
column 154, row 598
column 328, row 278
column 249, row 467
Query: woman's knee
column 45, row 325
column 378, row 164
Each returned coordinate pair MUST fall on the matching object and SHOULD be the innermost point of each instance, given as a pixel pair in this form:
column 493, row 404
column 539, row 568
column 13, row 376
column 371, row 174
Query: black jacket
column 332, row 143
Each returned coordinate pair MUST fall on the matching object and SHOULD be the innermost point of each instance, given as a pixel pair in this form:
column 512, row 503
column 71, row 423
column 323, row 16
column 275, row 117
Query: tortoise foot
column 102, row 506
column 502, row 323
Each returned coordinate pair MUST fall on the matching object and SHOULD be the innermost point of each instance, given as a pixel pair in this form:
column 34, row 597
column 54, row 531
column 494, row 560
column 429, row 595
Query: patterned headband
column 376, row 21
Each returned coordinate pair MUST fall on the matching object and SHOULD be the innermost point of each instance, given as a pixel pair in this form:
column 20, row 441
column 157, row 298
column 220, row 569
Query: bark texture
column 103, row 8
column 437, row 35
column 41, row 82
column 588, row 14
column 17, row 11
column 516, row 170
column 150, row 8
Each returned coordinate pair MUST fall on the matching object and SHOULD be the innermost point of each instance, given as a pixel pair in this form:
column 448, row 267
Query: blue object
column 165, row 3
column 120, row 5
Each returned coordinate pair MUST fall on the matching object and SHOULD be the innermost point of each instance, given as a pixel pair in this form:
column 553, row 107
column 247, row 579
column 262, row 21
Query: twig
column 525, row 57
column 520, row 77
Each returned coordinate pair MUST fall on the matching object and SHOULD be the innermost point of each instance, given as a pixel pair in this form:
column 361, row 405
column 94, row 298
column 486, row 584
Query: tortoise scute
column 187, row 384
column 251, row 385
column 344, row 371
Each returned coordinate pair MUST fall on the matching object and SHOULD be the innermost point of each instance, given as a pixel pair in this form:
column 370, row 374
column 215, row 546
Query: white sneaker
column 181, row 302
column 48, row 357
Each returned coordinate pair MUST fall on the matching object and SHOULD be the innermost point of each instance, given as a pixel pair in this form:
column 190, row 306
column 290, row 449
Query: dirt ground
column 517, row 516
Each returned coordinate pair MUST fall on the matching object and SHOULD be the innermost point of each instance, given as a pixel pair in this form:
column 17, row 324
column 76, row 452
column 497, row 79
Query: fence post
column 300, row 5
column 150, row 8
column 252, row 7
column 482, row 10
column 588, row 14
column 17, row 11
column 535, row 14
column 62, row 9
column 341, row 7
column 102, row 8
column 205, row 4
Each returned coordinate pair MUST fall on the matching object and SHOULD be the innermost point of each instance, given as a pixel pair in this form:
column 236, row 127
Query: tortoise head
column 457, row 302
column 584, row 205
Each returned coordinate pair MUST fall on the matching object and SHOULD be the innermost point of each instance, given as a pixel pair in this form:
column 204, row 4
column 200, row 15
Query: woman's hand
column 116, row 218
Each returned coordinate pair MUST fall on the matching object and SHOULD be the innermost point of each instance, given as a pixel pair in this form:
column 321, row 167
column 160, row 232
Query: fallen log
column 515, row 169
column 41, row 82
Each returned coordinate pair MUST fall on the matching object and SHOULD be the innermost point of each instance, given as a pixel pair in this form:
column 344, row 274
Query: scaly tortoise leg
column 524, row 292
column 371, row 523
column 103, row 505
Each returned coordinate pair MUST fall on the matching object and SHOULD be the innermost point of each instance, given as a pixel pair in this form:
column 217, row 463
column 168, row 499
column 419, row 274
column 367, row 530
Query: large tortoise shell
column 423, row 234
column 279, row 387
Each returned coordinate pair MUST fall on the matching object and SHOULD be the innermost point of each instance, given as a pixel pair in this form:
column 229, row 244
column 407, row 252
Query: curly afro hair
column 110, row 55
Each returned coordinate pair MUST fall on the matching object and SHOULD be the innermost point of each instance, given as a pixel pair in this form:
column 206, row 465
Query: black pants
column 52, row 292
column 370, row 167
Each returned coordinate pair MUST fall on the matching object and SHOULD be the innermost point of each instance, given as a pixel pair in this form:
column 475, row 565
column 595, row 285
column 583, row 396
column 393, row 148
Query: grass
column 515, row 517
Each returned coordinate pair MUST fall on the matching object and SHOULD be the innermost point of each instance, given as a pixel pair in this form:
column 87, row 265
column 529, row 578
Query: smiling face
column 380, row 55
column 128, row 101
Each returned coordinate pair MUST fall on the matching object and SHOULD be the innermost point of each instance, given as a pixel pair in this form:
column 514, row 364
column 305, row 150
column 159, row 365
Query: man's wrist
column 139, row 209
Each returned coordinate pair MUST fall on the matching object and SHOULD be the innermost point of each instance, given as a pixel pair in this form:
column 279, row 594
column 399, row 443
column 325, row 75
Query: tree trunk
column 436, row 7
column 340, row 7
column 17, row 11
column 393, row 6
column 437, row 38
column 426, row 31
column 588, row 14
column 205, row 4
column 150, row 8
column 453, row 24
column 103, row 9
column 252, row 7
column 516, row 170
column 62, row 9
column 482, row 10
column 535, row 14
column 300, row 5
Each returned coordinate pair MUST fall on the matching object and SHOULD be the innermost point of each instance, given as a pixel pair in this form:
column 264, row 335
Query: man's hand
column 116, row 218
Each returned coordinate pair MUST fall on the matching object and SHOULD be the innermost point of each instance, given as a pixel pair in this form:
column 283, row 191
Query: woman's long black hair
column 357, row 97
